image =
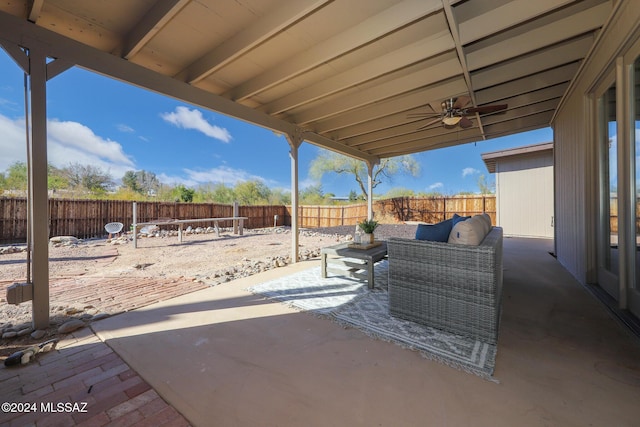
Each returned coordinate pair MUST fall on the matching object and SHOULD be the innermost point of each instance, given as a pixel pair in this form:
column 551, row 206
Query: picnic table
column 238, row 225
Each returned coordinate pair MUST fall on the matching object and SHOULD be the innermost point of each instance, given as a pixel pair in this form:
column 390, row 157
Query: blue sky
column 118, row 127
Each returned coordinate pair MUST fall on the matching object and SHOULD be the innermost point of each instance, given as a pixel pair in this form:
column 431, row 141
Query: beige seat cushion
column 469, row 232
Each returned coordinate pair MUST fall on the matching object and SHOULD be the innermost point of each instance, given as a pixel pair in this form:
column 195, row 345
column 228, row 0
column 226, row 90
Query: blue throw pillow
column 435, row 232
column 457, row 218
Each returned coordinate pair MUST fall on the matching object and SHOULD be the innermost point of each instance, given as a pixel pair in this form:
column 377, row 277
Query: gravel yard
column 202, row 258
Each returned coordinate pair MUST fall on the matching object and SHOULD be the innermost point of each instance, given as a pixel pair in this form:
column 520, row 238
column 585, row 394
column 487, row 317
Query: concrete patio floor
column 222, row 356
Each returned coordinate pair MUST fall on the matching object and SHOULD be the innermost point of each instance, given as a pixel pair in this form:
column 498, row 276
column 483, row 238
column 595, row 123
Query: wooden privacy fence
column 87, row 218
column 399, row 209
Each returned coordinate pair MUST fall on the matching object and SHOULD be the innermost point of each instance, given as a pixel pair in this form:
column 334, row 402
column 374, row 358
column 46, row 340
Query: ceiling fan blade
column 432, row 122
column 422, row 115
column 465, row 123
column 487, row 109
column 461, row 102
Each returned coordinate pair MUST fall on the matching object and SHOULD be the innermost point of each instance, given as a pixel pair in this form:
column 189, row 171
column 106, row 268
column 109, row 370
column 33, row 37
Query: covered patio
column 223, row 356
column 349, row 77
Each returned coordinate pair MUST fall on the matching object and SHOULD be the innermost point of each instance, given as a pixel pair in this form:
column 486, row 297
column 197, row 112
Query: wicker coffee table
column 347, row 255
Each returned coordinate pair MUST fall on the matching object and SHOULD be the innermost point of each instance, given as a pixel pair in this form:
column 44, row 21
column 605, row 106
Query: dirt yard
column 159, row 268
column 201, row 259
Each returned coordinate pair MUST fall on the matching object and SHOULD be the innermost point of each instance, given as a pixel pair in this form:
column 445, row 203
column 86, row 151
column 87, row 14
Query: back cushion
column 469, row 232
column 488, row 219
column 485, row 224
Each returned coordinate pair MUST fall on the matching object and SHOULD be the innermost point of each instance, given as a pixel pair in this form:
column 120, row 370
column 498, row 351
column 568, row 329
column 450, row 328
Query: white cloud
column 12, row 143
column 221, row 174
column 185, row 118
column 124, row 128
column 175, row 180
column 435, row 186
column 307, row 183
column 68, row 142
column 78, row 137
column 8, row 104
column 469, row 171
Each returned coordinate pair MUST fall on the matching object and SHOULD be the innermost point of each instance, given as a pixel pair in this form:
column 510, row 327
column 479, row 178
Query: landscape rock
column 23, row 332
column 38, row 334
column 70, row 326
column 64, row 239
column 100, row 316
column 12, row 249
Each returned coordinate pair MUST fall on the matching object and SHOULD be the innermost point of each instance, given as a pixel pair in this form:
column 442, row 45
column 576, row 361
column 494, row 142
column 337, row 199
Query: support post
column 294, row 142
column 33, row 61
column 38, row 188
column 135, row 225
column 236, row 213
column 370, row 166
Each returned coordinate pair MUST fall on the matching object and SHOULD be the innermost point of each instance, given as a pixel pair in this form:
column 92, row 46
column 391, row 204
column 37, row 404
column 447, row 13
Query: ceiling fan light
column 451, row 121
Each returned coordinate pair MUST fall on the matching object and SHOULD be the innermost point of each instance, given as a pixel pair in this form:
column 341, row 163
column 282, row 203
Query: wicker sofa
column 453, row 287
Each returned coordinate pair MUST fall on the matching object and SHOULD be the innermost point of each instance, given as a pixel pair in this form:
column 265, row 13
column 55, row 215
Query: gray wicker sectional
column 453, row 287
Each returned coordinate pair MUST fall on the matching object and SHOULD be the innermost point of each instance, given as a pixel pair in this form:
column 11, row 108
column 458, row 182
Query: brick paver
column 84, row 373
column 96, row 385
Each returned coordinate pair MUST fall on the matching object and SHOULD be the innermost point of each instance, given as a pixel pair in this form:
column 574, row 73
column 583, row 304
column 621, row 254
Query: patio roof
column 340, row 74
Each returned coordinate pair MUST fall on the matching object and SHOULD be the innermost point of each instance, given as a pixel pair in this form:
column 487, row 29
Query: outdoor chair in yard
column 113, row 228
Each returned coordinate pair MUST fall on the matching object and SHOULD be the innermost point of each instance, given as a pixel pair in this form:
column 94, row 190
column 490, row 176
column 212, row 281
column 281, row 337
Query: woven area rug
column 350, row 302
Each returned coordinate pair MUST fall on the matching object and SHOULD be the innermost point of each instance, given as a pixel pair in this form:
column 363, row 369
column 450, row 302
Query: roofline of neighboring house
column 490, row 158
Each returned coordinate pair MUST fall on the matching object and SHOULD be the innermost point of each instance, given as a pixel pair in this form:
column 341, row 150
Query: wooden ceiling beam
column 389, row 20
column 35, row 7
column 373, row 93
column 397, row 59
column 571, row 51
column 506, row 16
column 250, row 37
column 381, row 109
column 153, row 21
column 25, row 34
column 540, row 37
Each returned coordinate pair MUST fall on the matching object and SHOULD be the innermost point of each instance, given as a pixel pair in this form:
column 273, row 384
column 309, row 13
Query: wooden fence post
column 236, row 212
column 135, row 225
column 444, row 208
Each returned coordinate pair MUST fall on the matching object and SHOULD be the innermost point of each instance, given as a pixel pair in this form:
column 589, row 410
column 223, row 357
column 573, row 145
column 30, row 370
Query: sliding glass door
column 608, row 250
column 633, row 61
column 618, row 139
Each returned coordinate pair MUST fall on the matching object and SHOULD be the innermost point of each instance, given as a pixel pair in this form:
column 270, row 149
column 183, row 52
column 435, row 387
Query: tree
column 16, row 178
column 486, row 186
column 141, row 181
column 183, row 194
column 279, row 196
column 329, row 161
column 88, row 178
column 399, row 192
column 216, row 193
column 252, row 193
column 56, row 179
column 312, row 195
column 129, row 181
